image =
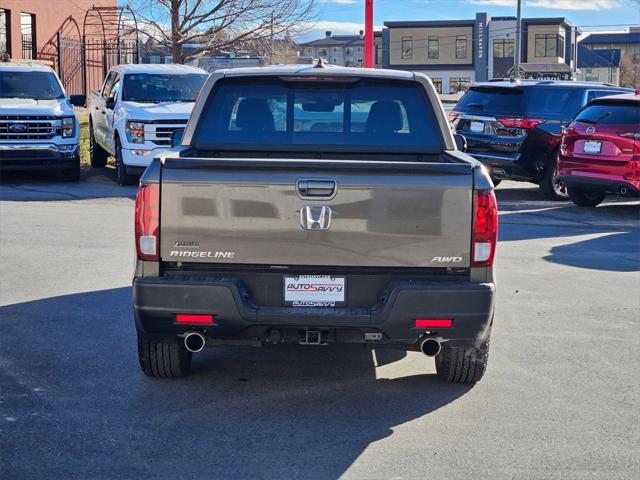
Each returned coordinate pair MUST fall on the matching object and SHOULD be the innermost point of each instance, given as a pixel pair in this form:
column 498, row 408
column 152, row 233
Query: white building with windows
column 344, row 50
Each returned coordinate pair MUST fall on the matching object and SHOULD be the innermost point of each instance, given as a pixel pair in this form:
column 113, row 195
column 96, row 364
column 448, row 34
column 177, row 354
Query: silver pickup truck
column 316, row 205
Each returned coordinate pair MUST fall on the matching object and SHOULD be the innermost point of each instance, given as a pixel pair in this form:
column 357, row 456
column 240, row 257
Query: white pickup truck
column 134, row 114
column 38, row 127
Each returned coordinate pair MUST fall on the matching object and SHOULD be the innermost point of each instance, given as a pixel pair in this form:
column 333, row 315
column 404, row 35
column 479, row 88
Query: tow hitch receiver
column 312, row 337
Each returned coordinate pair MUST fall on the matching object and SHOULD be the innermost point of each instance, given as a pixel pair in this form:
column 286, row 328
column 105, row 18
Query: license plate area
column 314, row 291
column 592, row 146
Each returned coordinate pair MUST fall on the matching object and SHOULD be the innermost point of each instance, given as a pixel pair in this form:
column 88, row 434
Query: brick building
column 27, row 25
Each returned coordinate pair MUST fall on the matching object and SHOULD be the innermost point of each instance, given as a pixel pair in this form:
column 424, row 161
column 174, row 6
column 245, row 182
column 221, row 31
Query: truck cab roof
column 158, row 69
column 24, row 67
column 319, row 70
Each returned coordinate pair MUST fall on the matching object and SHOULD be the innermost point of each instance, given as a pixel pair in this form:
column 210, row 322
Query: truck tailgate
column 270, row 212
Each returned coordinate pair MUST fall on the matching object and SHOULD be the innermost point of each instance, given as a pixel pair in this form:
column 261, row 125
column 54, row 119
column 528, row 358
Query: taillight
column 518, row 122
column 147, row 222
column 485, row 228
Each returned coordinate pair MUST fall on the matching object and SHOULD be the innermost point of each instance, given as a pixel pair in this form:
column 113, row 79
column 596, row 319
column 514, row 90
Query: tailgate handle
column 316, row 188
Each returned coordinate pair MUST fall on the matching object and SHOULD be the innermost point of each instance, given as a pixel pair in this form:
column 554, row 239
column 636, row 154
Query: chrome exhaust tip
column 194, row 342
column 430, row 347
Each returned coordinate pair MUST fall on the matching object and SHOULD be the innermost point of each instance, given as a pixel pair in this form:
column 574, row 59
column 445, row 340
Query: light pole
column 516, row 63
column 368, row 33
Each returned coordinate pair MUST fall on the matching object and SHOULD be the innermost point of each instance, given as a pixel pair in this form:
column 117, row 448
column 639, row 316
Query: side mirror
column 110, row 103
column 78, row 100
column 176, row 137
column 461, row 142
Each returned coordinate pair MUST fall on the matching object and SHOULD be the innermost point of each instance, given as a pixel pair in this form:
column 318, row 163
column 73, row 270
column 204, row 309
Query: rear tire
column 163, row 359
column 97, row 155
column 122, row 177
column 585, row 198
column 550, row 186
column 462, row 364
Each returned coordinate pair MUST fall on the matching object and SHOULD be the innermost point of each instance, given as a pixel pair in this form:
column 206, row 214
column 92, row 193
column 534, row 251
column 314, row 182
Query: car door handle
column 316, row 188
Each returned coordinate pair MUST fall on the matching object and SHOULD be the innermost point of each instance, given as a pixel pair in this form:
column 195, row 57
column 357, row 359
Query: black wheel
column 496, row 181
column 462, row 364
column 585, row 198
column 72, row 174
column 163, row 359
column 552, row 188
column 97, row 154
column 122, row 177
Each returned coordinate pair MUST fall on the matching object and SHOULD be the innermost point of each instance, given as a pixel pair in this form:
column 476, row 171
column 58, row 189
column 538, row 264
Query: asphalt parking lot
column 560, row 398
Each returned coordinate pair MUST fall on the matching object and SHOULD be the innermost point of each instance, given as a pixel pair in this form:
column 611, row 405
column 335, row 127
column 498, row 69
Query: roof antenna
column 320, row 63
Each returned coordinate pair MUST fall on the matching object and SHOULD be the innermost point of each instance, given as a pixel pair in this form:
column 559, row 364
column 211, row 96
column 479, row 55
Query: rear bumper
column 157, row 301
column 612, row 186
column 24, row 157
column 503, row 167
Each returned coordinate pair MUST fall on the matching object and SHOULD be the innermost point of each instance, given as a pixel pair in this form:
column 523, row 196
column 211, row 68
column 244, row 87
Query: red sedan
column 600, row 150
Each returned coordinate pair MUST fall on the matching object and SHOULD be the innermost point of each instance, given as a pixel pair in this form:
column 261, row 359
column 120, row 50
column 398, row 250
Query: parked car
column 38, row 127
column 316, row 205
column 514, row 127
column 600, row 151
column 134, row 114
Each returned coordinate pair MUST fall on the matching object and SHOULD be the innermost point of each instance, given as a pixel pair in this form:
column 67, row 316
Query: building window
column 503, row 48
column 591, row 74
column 407, row 47
column 549, row 45
column 434, row 48
column 154, row 59
column 28, row 30
column 335, row 49
column 309, row 51
column 5, row 36
column 168, row 59
column 461, row 46
column 437, row 83
column 322, row 52
column 459, row 84
column 334, row 60
column 359, row 49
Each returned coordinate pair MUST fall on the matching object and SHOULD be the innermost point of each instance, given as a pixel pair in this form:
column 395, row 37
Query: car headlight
column 135, row 132
column 68, row 127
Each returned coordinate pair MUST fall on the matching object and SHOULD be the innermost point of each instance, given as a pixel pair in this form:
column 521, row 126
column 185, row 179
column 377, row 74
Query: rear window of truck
column 281, row 113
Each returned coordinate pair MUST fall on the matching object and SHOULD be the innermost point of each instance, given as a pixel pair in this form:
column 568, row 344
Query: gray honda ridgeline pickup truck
column 315, row 205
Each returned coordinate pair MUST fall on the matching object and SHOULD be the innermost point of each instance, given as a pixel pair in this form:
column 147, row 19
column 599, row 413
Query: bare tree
column 630, row 71
column 219, row 25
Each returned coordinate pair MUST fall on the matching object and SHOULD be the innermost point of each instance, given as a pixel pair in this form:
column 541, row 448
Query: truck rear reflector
column 485, row 228
column 147, row 222
column 200, row 319
column 434, row 322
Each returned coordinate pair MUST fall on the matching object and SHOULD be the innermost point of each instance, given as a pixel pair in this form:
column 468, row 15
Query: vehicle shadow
column 75, row 403
column 614, row 229
column 32, row 186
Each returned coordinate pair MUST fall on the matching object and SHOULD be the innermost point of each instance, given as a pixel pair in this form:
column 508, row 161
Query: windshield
column 155, row 88
column 35, row 85
column 309, row 113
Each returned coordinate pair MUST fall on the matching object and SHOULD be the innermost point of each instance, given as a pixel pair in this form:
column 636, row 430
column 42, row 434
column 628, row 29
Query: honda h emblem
column 315, row 218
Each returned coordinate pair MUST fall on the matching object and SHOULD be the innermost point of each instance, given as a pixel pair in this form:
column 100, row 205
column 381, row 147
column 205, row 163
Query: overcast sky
column 346, row 16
